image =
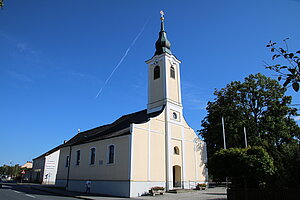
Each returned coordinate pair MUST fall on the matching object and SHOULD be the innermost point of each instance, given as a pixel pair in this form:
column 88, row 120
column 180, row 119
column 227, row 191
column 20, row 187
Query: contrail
column 123, row 57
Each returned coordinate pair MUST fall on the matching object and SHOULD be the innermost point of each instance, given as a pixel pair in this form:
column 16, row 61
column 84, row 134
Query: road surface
column 20, row 192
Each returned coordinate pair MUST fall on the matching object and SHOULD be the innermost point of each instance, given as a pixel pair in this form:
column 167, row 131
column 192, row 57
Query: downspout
column 69, row 164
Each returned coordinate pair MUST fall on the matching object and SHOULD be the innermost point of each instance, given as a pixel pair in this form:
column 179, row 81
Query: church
column 148, row 148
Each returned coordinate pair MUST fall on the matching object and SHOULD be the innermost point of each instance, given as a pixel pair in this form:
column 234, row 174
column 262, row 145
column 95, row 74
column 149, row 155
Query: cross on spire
column 162, row 44
column 162, row 14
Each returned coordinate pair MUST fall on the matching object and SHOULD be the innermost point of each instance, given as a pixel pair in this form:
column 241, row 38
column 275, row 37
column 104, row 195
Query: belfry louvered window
column 172, row 72
column 156, row 72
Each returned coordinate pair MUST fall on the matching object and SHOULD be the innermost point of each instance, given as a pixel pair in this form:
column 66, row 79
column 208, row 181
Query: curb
column 60, row 193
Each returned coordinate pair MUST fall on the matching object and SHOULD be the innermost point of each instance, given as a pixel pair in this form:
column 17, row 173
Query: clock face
column 175, row 115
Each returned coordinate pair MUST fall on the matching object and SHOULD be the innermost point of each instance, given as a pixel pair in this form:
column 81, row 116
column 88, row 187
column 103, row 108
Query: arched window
column 93, row 155
column 172, row 72
column 156, row 72
column 176, row 150
column 111, row 154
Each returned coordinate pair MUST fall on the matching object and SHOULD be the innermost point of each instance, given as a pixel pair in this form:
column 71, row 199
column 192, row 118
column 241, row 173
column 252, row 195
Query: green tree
column 259, row 105
column 290, row 70
column 248, row 166
column 12, row 171
column 1, row 4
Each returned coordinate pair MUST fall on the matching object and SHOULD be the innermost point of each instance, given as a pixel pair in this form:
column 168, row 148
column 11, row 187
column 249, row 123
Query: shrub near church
column 260, row 106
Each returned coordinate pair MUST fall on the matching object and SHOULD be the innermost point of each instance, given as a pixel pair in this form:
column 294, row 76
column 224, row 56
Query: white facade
column 50, row 170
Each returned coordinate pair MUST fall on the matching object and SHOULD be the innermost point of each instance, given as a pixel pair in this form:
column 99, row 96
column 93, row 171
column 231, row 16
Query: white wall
column 50, row 170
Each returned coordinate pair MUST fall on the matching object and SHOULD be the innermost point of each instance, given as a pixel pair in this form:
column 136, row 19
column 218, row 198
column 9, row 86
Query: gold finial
column 162, row 15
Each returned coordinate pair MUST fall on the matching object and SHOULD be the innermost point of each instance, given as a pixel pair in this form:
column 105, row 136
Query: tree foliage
column 250, row 166
column 1, row 4
column 259, row 105
column 12, row 171
column 289, row 72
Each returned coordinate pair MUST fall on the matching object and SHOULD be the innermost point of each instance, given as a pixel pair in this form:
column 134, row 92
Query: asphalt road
column 20, row 192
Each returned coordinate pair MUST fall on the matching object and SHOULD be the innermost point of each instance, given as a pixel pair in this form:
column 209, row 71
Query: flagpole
column 223, row 126
column 223, row 133
column 245, row 134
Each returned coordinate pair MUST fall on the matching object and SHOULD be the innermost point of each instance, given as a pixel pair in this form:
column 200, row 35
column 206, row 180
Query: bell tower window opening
column 176, row 150
column 172, row 72
column 156, row 72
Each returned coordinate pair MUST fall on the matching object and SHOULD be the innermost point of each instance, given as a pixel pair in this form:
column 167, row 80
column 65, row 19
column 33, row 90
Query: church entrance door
column 176, row 176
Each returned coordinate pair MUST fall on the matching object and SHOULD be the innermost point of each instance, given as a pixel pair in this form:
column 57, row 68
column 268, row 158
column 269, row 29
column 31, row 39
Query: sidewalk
column 218, row 193
column 78, row 195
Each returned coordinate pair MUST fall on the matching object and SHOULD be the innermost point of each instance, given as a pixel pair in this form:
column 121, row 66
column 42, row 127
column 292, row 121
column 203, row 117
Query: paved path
column 218, row 193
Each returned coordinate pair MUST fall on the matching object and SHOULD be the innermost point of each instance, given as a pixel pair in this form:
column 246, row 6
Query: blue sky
column 56, row 55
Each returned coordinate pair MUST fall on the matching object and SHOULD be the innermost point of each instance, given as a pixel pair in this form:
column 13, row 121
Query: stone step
column 176, row 191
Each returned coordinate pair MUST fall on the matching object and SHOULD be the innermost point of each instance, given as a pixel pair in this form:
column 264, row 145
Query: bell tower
column 164, row 91
column 164, row 76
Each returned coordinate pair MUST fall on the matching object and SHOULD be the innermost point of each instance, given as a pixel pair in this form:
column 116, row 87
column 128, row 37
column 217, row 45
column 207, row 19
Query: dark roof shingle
column 118, row 128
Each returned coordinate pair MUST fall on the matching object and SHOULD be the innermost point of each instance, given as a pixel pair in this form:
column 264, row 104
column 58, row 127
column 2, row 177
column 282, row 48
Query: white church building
column 151, row 147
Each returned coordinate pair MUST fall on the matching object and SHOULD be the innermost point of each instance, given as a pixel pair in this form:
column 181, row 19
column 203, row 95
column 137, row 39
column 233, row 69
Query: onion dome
column 162, row 44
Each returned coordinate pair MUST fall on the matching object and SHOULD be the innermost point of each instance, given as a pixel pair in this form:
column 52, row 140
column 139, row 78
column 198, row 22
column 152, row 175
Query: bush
column 248, row 167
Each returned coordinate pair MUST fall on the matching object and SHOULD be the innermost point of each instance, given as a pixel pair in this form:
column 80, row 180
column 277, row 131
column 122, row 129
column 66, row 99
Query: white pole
column 223, row 133
column 224, row 145
column 245, row 134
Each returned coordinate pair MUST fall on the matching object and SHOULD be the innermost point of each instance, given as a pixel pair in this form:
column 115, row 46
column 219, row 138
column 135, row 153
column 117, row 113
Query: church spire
column 162, row 44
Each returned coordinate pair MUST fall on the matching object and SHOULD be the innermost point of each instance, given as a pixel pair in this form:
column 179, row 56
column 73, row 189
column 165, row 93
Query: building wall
column 196, row 154
column 50, row 169
column 62, row 169
column 99, row 173
column 156, row 91
column 38, row 169
column 173, row 83
column 140, row 160
column 148, row 156
column 148, row 159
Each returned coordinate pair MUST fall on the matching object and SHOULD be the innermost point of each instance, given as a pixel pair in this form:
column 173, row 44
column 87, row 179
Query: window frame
column 92, row 155
column 67, row 164
column 156, row 72
column 111, row 161
column 176, row 150
column 78, row 156
column 172, row 72
column 175, row 115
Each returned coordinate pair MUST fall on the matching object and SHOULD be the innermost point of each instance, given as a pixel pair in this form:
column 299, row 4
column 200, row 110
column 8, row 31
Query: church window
column 67, row 161
column 156, row 72
column 176, row 150
column 172, row 72
column 77, row 157
column 111, row 154
column 93, row 155
column 175, row 115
